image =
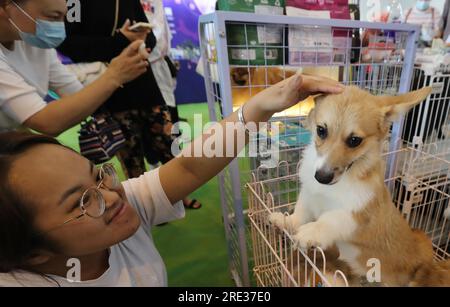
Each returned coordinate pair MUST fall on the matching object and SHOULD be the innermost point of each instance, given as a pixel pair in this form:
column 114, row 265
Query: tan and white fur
column 343, row 200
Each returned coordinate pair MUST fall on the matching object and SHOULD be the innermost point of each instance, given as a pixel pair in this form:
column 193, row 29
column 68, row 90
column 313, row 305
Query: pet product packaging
column 313, row 45
column 254, row 44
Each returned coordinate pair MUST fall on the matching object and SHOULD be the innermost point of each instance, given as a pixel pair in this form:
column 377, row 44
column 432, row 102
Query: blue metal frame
column 222, row 16
column 219, row 20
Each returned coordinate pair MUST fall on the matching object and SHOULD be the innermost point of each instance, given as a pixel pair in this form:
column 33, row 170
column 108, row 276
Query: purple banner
column 182, row 16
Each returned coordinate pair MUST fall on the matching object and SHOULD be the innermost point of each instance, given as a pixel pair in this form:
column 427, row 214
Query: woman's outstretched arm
column 193, row 168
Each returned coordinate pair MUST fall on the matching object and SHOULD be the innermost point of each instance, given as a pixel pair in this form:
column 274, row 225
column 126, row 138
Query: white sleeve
column 18, row 99
column 61, row 80
column 149, row 199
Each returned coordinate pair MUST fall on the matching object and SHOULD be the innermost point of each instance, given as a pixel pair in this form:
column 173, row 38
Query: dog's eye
column 354, row 141
column 322, row 132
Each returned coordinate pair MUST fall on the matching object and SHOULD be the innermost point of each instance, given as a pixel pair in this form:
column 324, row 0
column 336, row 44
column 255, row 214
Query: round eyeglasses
column 92, row 203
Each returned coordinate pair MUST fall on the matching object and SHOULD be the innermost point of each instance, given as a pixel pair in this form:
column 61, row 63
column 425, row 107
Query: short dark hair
column 18, row 238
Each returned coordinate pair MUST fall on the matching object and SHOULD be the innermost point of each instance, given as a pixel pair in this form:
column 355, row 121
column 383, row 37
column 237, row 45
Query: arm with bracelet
column 260, row 108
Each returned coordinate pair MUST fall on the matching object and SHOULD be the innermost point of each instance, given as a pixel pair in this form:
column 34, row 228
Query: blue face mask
column 422, row 5
column 49, row 34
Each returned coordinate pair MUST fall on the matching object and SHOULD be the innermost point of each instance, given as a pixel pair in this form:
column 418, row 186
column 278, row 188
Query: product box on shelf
column 312, row 45
column 254, row 44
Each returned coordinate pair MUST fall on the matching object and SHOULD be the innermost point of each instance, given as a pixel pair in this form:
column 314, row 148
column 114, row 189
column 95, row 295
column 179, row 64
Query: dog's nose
column 324, row 177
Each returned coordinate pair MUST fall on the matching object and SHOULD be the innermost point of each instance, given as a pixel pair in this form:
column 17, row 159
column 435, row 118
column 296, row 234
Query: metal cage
column 419, row 189
column 244, row 53
column 426, row 126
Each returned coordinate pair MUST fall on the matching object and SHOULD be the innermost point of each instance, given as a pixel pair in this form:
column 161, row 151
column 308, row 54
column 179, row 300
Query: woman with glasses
column 57, row 209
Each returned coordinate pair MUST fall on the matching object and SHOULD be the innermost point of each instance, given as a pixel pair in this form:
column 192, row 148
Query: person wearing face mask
column 29, row 68
column 428, row 17
column 140, row 106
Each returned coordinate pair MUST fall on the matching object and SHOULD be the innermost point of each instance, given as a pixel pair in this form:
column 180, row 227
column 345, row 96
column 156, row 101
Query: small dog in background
column 343, row 199
column 254, row 76
column 247, row 82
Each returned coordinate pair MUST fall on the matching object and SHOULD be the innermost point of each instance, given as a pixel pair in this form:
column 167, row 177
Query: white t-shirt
column 26, row 75
column 134, row 262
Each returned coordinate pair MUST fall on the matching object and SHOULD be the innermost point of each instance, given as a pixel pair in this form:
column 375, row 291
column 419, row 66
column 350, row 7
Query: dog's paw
column 278, row 219
column 312, row 235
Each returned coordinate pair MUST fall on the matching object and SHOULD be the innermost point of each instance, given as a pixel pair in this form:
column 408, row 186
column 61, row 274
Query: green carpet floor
column 194, row 249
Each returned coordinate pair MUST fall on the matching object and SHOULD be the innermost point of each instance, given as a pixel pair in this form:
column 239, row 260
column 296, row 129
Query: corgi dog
column 343, row 200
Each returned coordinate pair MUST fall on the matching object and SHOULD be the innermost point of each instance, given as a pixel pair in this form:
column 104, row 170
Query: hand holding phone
column 133, row 35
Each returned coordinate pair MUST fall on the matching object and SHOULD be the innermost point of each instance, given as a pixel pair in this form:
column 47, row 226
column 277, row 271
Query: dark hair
column 18, row 239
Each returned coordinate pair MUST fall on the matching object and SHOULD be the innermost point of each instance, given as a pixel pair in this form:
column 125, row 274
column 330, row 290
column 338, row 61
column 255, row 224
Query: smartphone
column 140, row 26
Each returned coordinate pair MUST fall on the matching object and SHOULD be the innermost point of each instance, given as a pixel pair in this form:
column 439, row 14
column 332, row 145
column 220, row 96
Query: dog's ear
column 319, row 98
column 394, row 106
column 308, row 121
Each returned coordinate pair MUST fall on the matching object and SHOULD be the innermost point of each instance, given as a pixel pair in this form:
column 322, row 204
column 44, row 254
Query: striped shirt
column 429, row 21
column 423, row 17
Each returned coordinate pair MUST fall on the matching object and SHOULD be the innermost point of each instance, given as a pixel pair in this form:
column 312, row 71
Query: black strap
column 116, row 19
column 407, row 15
column 173, row 69
column 432, row 17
